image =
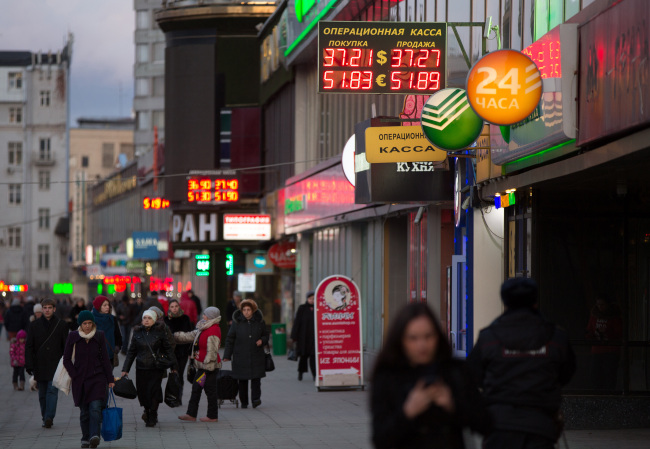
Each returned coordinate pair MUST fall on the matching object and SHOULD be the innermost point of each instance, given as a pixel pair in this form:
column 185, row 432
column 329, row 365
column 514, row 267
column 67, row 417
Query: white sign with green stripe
column 449, row 122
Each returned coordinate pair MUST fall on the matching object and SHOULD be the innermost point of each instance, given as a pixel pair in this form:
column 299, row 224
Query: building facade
column 34, row 105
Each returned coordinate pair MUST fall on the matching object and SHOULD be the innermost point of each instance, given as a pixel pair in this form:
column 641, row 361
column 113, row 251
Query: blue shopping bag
column 112, row 420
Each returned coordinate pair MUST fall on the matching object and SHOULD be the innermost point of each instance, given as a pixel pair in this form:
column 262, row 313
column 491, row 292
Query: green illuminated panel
column 309, row 26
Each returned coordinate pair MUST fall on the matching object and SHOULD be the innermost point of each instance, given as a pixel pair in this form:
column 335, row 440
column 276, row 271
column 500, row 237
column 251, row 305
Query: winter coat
column 521, row 361
column 42, row 354
column 208, row 349
column 157, row 337
column 303, row 330
column 91, row 371
column 605, row 326
column 189, row 308
column 180, row 324
column 231, row 308
column 123, row 313
column 107, row 323
column 17, row 352
column 248, row 359
column 16, row 319
column 435, row 427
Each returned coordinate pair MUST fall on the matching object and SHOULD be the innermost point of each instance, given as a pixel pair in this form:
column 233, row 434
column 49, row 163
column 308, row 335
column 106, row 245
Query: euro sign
column 380, row 80
column 381, row 57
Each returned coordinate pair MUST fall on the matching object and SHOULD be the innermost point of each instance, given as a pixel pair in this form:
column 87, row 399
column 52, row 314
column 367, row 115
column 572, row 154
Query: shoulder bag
column 161, row 361
column 269, row 365
column 62, row 379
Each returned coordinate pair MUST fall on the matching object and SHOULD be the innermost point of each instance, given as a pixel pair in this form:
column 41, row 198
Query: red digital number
column 328, row 80
column 217, row 196
column 205, row 197
column 396, row 58
column 422, row 59
column 437, row 54
column 368, row 79
column 234, row 184
column 355, row 80
column 396, row 82
column 329, row 54
column 192, row 184
column 410, row 63
column 434, row 80
column 146, row 202
column 344, row 53
column 355, row 60
column 205, row 184
column 191, row 197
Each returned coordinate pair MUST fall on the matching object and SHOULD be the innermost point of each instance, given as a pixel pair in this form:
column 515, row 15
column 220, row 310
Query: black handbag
column 269, row 365
column 161, row 361
column 124, row 388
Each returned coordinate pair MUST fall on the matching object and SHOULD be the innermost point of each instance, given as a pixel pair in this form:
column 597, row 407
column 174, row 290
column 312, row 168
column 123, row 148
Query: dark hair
column 392, row 354
column 517, row 293
column 48, row 302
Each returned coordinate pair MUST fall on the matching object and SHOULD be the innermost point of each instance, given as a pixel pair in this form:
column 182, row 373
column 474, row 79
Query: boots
column 152, row 416
column 22, row 386
column 15, row 386
column 145, row 415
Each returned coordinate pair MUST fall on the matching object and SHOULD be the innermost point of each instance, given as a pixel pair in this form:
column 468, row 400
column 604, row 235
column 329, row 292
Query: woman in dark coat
column 177, row 321
column 148, row 339
column 421, row 398
column 245, row 346
column 107, row 323
column 91, row 373
column 304, row 335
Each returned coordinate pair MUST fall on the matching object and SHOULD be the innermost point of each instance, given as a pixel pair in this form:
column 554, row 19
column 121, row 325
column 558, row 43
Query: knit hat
column 248, row 303
column 310, row 293
column 85, row 315
column 151, row 314
column 98, row 301
column 15, row 302
column 158, row 312
column 212, row 312
column 38, row 308
column 21, row 334
column 517, row 293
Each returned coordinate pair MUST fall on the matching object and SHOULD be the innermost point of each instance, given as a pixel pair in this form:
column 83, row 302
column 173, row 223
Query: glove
column 30, row 372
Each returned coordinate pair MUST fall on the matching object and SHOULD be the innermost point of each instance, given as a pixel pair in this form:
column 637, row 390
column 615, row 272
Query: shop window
column 519, row 229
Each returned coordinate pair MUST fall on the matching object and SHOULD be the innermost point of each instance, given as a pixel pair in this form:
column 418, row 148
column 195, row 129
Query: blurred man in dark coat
column 303, row 334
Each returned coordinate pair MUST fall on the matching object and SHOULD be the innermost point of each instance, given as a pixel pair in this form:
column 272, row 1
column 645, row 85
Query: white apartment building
column 34, row 93
column 149, row 73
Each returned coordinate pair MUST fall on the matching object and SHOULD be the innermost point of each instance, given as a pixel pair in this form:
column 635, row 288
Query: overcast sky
column 103, row 49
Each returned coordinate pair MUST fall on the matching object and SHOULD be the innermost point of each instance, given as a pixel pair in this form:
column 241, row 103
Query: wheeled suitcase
column 227, row 388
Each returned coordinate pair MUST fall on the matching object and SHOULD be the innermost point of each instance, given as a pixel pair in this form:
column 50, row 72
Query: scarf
column 89, row 335
column 200, row 326
column 172, row 315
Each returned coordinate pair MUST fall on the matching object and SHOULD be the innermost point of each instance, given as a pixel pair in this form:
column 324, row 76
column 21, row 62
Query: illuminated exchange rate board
column 381, row 57
column 212, row 190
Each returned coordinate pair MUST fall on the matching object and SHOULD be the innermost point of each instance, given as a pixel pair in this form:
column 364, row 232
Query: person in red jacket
column 189, row 308
column 605, row 326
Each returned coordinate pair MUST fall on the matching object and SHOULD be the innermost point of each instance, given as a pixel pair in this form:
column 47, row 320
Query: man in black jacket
column 46, row 339
column 521, row 361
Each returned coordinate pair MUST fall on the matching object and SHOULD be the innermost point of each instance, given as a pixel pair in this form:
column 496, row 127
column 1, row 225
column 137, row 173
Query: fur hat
column 85, row 315
column 248, row 303
column 517, row 293
column 98, row 301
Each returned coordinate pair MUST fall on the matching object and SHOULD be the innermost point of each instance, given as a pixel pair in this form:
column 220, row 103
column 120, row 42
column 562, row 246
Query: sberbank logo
column 449, row 122
column 303, row 7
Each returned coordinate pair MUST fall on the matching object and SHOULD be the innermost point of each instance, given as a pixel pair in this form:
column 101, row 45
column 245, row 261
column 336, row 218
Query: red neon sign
column 208, row 190
column 155, row 203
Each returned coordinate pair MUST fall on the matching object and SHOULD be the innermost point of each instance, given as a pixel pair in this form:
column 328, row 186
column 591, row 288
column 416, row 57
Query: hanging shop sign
column 194, row 227
column 553, row 121
column 246, row 282
column 114, row 263
column 154, row 203
column 258, row 263
column 614, row 72
column 303, row 15
column 62, row 288
column 381, row 57
column 145, row 245
column 246, row 227
column 449, row 122
column 283, row 254
column 202, row 264
column 400, row 144
column 114, row 187
column 337, row 312
column 504, row 87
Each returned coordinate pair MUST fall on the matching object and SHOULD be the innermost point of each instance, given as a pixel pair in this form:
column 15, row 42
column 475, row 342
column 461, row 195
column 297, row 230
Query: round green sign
column 449, row 122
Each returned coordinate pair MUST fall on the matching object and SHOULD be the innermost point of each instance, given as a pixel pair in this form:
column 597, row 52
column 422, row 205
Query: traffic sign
column 504, row 87
column 449, row 122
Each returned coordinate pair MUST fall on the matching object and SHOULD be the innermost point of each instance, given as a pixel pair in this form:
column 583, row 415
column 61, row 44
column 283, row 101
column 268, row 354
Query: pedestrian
column 17, row 356
column 79, row 307
column 136, row 312
column 92, row 374
column 521, row 361
column 233, row 306
column 46, row 339
column 38, row 312
column 15, row 319
column 304, row 335
column 151, row 301
column 149, row 341
column 205, row 339
column 197, row 301
column 189, row 308
column 107, row 323
column 177, row 321
column 421, row 397
column 3, row 309
column 124, row 319
column 163, row 301
column 245, row 346
column 605, row 330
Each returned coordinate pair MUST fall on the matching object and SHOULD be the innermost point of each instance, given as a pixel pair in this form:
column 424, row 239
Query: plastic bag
column 173, row 391
column 111, row 420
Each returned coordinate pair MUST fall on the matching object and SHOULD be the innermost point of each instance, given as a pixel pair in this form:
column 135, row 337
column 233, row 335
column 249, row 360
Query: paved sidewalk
column 293, row 415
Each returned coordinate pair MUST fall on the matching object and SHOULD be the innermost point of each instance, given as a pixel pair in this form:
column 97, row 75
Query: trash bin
column 279, row 334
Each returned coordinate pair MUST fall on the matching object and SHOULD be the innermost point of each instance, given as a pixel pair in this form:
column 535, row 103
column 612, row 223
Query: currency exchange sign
column 381, row 57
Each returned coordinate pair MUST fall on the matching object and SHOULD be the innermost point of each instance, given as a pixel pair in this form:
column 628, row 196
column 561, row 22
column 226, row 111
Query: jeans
column 90, row 419
column 210, row 388
column 19, row 371
column 48, row 396
column 256, row 390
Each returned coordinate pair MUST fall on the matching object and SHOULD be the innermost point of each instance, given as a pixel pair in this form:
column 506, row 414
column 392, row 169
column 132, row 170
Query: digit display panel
column 381, row 57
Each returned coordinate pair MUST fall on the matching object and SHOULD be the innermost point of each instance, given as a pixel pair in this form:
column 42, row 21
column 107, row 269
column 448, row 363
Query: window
column 14, row 238
column 15, row 194
column 159, row 119
column 144, row 120
column 43, row 180
column 15, row 153
column 44, row 218
column 141, row 87
column 159, row 52
column 142, row 20
column 45, row 98
column 108, row 155
column 15, row 115
column 44, row 152
column 15, row 80
column 142, row 53
column 43, row 257
column 84, row 161
column 159, row 86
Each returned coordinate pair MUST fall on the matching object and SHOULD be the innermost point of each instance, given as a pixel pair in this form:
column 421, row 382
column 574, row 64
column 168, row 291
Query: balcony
column 43, row 160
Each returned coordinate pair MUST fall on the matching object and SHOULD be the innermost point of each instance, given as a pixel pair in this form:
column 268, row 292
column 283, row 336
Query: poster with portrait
column 339, row 355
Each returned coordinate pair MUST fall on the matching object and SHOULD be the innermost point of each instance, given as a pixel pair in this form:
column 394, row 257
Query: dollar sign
column 381, row 57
